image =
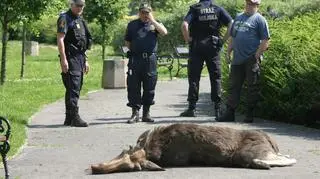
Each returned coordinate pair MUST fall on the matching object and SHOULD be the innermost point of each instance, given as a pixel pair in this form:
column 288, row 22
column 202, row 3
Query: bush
column 291, row 75
column 172, row 22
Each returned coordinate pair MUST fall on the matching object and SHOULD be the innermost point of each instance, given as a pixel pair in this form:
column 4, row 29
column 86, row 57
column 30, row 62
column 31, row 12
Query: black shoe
column 67, row 120
column 229, row 116
column 76, row 119
column 188, row 113
column 249, row 116
column 248, row 119
column 147, row 118
column 146, row 114
column 217, row 111
column 134, row 116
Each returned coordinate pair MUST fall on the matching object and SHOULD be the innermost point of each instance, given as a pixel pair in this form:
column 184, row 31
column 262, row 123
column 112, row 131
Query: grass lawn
column 20, row 99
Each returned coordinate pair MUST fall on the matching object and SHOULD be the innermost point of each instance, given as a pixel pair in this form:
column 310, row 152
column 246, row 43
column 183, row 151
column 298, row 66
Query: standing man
column 201, row 30
column 141, row 39
column 73, row 40
column 249, row 39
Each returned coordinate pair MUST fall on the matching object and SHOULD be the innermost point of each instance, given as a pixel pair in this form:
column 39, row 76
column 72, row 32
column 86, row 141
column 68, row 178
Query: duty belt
column 144, row 54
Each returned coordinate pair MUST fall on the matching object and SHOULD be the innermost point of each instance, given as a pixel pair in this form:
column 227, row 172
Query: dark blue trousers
column 195, row 65
column 142, row 72
column 248, row 72
column 73, row 80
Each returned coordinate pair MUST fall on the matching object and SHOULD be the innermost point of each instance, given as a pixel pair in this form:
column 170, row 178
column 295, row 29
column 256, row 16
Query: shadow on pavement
column 204, row 105
column 288, row 129
column 46, row 126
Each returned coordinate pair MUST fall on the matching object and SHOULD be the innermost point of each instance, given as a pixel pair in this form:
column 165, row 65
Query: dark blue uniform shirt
column 75, row 30
column 142, row 36
column 222, row 17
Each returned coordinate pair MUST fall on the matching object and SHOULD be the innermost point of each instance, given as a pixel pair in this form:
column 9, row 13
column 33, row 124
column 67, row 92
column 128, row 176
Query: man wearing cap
column 73, row 39
column 141, row 39
column 249, row 39
column 201, row 29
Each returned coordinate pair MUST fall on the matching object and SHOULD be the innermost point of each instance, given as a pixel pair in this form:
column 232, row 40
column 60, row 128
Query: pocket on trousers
column 152, row 71
column 76, row 80
column 255, row 64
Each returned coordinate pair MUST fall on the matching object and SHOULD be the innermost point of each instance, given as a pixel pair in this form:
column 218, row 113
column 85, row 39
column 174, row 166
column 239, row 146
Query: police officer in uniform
column 201, row 30
column 73, row 40
column 141, row 39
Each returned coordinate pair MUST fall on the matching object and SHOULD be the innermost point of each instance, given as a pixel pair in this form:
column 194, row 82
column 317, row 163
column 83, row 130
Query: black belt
column 144, row 54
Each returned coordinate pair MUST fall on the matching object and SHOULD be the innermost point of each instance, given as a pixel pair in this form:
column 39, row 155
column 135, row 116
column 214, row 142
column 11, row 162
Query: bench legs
column 5, row 165
column 5, row 131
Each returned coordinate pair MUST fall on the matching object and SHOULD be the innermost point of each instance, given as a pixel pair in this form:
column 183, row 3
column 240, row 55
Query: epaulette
column 62, row 13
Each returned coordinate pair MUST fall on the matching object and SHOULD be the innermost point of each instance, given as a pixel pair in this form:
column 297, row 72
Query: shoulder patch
column 62, row 24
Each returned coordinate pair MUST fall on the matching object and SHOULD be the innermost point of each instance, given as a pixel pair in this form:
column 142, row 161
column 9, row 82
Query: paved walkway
column 55, row 151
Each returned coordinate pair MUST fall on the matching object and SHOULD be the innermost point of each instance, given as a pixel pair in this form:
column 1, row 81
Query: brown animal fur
column 197, row 145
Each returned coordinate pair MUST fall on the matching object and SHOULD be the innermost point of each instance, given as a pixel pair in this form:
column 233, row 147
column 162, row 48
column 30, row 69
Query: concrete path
column 55, row 151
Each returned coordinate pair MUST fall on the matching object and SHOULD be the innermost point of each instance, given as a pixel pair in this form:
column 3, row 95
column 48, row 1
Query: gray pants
column 249, row 71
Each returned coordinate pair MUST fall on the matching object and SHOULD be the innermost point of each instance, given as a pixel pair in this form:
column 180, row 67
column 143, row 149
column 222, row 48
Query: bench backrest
column 182, row 50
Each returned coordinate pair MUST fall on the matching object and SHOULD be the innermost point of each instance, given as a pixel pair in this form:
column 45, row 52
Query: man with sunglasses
column 141, row 39
column 73, row 39
column 249, row 39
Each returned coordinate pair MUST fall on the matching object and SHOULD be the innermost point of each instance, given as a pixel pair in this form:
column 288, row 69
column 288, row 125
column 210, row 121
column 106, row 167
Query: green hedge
column 291, row 75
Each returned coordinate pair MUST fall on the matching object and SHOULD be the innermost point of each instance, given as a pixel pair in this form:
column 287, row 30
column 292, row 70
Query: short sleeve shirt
column 247, row 33
column 62, row 26
column 142, row 37
column 224, row 16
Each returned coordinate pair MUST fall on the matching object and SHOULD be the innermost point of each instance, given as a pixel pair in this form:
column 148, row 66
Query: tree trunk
column 103, row 28
column 4, row 51
column 103, row 51
column 23, row 52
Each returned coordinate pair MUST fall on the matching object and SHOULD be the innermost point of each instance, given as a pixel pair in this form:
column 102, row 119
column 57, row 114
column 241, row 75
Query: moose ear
column 150, row 166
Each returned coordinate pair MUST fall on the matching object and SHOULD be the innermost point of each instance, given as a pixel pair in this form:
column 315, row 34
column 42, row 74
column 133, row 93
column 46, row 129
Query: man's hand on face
column 150, row 17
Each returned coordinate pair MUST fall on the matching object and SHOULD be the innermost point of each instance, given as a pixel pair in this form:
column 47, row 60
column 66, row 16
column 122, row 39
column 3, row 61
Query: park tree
column 164, row 5
column 105, row 13
column 31, row 23
column 12, row 12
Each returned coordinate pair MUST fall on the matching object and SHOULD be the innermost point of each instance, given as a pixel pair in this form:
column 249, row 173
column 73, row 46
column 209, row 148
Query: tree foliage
column 13, row 11
column 106, row 13
column 165, row 5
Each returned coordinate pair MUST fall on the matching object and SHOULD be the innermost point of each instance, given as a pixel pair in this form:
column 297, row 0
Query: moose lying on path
column 197, row 145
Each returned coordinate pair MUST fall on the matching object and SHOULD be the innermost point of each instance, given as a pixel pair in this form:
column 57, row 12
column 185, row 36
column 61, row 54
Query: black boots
column 228, row 116
column 249, row 116
column 134, row 116
column 67, row 121
column 146, row 114
column 217, row 110
column 190, row 112
column 76, row 120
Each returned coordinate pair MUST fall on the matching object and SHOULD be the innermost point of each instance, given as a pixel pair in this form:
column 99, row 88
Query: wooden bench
column 162, row 60
column 5, row 131
column 182, row 55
